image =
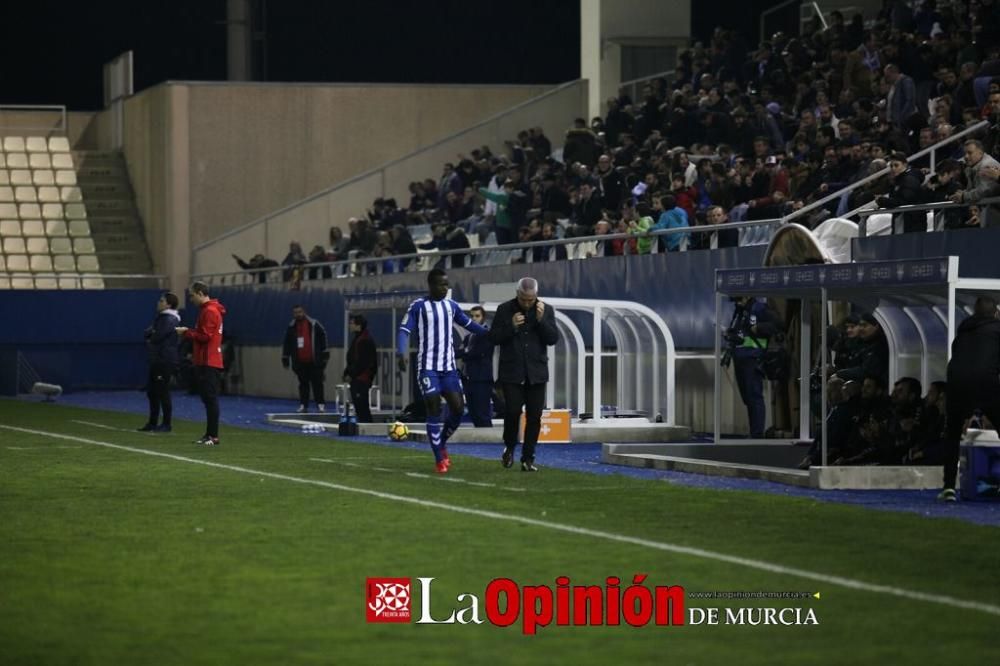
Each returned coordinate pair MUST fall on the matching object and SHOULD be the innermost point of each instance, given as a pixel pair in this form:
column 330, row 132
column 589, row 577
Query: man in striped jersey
column 433, row 317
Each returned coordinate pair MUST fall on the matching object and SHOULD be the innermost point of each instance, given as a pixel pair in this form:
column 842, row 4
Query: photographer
column 752, row 326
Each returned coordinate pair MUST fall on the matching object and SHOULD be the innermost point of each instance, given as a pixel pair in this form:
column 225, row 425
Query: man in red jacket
column 206, row 338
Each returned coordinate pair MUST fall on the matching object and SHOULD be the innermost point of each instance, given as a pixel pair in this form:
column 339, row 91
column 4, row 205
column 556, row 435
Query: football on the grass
column 398, row 431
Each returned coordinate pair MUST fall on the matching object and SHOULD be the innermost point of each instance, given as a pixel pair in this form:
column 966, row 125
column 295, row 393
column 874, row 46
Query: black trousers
column 961, row 402
column 158, row 393
column 208, row 389
column 359, row 396
column 532, row 398
column 310, row 375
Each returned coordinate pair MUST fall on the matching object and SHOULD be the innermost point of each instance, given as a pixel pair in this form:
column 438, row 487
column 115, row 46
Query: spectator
column 586, row 212
column 402, row 244
column 555, row 202
column 671, row 217
column 870, row 441
column 907, row 415
column 942, row 186
column 722, row 237
column 257, row 266
column 872, row 359
column 905, row 191
column 610, row 184
column 551, row 252
column 901, row 102
column 318, row 255
column 639, row 222
column 504, row 226
column 339, row 245
column 981, row 174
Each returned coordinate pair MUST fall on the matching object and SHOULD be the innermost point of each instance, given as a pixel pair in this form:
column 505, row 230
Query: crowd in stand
column 736, row 134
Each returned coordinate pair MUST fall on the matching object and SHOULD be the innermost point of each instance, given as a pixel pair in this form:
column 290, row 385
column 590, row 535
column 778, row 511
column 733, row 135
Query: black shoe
column 149, row 427
column 528, row 466
column 208, row 441
column 164, row 427
column 507, row 458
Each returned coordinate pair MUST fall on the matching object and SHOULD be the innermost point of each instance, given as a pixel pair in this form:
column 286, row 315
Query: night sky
column 52, row 52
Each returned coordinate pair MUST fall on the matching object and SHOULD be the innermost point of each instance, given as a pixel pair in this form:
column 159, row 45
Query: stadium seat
column 36, row 144
column 56, row 228
column 40, row 161
column 4, row 282
column 69, row 283
column 3, row 161
column 17, row 161
column 14, row 245
column 88, row 264
column 48, row 194
column 22, row 282
column 61, row 246
column 93, row 283
column 13, row 144
column 43, row 177
column 6, row 193
column 53, row 211
column 84, row 246
column 38, row 246
column 65, row 177
column 64, row 263
column 46, row 283
column 17, row 262
column 58, row 144
column 78, row 228
column 3, row 264
column 41, row 263
column 76, row 211
column 10, row 228
column 32, row 228
column 71, row 193
column 25, row 193
column 20, row 177
column 62, row 161
column 4, row 177
column 29, row 211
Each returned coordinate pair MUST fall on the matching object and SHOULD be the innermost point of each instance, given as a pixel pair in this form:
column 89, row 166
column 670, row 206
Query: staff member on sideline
column 523, row 327
column 476, row 351
column 973, row 381
column 161, row 351
column 362, row 366
column 206, row 338
column 305, row 350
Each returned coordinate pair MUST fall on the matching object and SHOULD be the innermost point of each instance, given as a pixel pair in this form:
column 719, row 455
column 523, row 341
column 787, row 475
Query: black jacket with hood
column 975, row 353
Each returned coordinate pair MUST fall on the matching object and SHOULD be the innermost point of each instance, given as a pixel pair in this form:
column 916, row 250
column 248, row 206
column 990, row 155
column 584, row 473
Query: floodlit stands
column 44, row 232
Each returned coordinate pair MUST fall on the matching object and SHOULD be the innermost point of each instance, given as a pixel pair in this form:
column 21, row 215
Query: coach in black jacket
column 305, row 351
column 161, row 352
column 523, row 327
column 973, row 381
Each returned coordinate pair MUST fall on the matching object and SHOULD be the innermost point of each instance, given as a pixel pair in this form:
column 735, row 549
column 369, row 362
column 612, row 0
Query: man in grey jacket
column 981, row 173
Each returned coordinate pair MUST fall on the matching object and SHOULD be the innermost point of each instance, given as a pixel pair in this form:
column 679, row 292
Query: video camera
column 734, row 334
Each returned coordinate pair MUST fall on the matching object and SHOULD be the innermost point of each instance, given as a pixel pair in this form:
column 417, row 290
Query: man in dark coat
column 973, row 381
column 906, row 191
column 872, row 356
column 305, row 351
column 362, row 366
column 477, row 353
column 523, row 328
column 161, row 352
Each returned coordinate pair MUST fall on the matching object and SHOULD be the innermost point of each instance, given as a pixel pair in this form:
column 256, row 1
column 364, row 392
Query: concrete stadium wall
column 209, row 157
column 310, row 220
column 86, row 130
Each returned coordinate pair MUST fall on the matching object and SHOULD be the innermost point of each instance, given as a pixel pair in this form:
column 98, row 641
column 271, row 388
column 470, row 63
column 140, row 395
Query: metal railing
column 55, row 108
column 930, row 150
column 916, row 208
column 755, row 232
column 632, row 86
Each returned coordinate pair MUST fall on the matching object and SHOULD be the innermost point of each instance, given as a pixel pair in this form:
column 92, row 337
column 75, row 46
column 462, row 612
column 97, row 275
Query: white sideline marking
column 760, row 565
column 419, row 475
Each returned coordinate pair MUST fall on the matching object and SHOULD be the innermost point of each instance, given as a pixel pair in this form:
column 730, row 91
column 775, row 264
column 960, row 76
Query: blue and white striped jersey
column 433, row 321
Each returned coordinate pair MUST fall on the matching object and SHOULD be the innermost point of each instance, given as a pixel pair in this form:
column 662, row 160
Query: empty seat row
column 48, row 246
column 36, row 161
column 37, row 177
column 27, row 282
column 30, row 194
column 49, row 211
column 35, row 144
column 41, row 228
column 47, row 263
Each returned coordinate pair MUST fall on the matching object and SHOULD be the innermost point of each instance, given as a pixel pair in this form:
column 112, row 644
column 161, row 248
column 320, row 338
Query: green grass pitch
column 109, row 556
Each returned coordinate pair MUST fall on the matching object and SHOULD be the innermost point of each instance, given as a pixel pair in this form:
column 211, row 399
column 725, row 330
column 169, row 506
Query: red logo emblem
column 388, row 600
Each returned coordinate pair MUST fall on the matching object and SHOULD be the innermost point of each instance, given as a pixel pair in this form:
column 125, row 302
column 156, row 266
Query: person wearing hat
column 872, row 358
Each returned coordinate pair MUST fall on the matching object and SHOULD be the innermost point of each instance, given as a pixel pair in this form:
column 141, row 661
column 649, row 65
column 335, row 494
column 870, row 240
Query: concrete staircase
column 118, row 234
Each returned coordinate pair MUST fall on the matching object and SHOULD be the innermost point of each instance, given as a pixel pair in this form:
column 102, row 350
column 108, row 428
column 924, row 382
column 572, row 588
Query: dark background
column 52, row 52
